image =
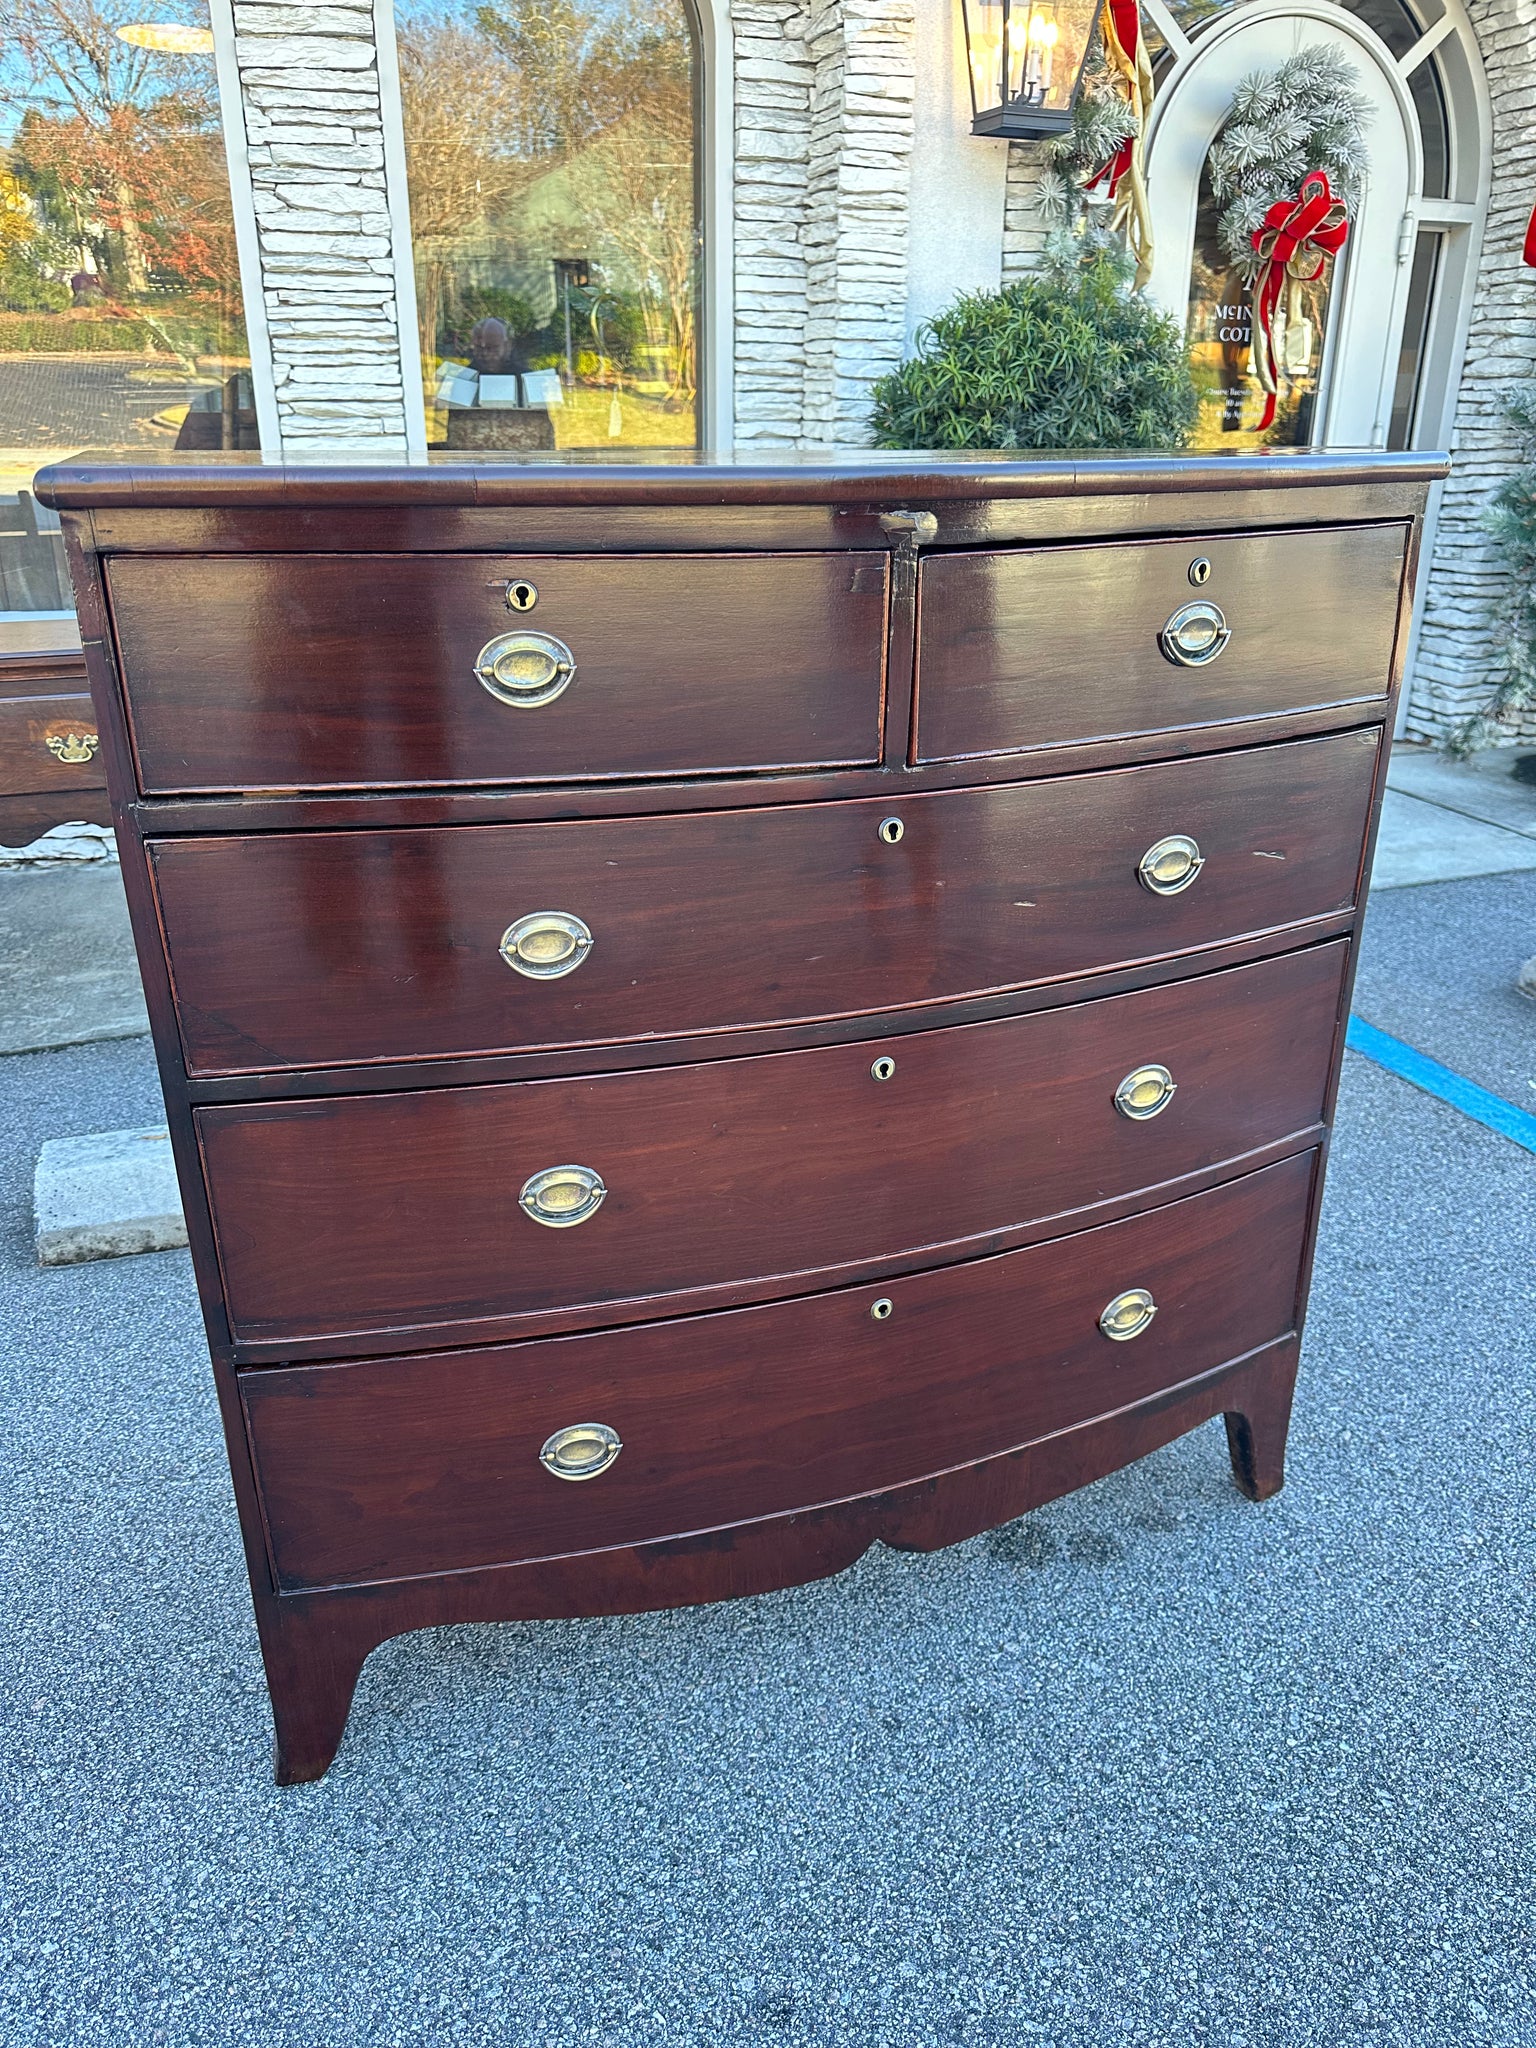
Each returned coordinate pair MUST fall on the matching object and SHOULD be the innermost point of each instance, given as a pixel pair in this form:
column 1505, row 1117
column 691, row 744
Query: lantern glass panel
column 1026, row 58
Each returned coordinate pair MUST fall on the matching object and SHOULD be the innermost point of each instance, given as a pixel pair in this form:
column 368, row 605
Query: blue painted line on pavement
column 1412, row 1065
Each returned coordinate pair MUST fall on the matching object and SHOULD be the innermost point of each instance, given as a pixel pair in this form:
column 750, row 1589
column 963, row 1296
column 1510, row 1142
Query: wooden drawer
column 381, row 1216
column 432, row 1464
column 49, row 743
column 1040, row 647
column 358, row 671
column 314, row 949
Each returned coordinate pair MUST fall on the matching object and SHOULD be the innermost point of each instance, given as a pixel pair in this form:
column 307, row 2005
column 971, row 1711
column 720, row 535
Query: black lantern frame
column 1024, row 80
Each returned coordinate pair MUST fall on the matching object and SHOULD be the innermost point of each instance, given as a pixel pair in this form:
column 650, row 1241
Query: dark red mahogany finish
column 1006, row 641
column 352, row 667
column 844, row 1052
column 775, row 1172
column 806, row 913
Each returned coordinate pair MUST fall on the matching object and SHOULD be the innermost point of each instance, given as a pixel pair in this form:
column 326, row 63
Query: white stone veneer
column 1454, row 666
column 314, row 128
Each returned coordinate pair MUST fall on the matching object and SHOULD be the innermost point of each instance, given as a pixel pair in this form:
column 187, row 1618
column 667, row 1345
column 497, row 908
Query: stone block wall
column 1456, row 660
column 314, row 130
column 824, row 131
column 1023, row 229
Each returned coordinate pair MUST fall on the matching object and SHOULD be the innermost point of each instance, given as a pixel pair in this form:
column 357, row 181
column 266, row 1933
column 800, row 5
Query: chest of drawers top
column 326, row 634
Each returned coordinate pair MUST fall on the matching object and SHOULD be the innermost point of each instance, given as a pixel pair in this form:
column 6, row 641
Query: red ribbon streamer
column 1530, row 240
column 1126, row 15
column 1295, row 242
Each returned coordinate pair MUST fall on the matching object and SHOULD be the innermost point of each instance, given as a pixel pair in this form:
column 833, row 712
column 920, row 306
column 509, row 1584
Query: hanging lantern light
column 1026, row 62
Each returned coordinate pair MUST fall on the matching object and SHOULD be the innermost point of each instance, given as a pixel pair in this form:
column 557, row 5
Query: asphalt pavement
column 1152, row 1768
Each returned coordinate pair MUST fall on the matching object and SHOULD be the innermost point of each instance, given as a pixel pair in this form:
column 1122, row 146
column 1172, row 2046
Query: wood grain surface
column 389, row 1214
column 431, row 1464
column 1037, row 647
column 320, row 949
column 358, row 670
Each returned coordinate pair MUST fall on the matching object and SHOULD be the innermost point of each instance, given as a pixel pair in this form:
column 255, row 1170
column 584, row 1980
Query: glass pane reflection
column 550, row 149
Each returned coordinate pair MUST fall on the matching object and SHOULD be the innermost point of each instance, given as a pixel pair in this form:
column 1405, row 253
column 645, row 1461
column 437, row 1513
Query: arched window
column 551, row 155
column 1368, row 356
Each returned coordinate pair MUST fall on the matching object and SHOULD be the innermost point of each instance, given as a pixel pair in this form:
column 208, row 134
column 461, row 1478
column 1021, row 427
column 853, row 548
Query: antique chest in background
column 715, row 1014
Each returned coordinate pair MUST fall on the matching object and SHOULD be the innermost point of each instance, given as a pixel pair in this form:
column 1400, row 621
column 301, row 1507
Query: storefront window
column 1221, row 339
column 120, row 312
column 551, row 154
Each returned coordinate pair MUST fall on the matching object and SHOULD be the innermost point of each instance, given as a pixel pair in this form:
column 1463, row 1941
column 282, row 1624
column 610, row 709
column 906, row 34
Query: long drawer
column 433, row 1464
column 378, row 1217
column 360, row 671
column 1039, row 647
column 293, row 950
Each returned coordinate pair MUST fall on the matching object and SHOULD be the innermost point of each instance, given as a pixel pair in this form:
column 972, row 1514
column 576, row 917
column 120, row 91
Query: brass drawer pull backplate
column 1128, row 1315
column 1170, row 865
column 562, row 1196
column 525, row 669
column 1145, row 1092
column 1195, row 634
column 546, row 944
column 581, row 1451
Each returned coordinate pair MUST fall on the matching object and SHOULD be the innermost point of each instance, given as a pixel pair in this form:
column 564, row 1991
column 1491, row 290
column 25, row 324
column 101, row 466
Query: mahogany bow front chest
column 713, row 1014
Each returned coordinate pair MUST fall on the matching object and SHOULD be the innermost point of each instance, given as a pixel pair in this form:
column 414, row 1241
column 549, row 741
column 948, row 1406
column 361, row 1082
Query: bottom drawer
column 404, row 1466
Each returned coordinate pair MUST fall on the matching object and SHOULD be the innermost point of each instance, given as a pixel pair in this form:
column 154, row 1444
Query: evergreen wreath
column 1308, row 115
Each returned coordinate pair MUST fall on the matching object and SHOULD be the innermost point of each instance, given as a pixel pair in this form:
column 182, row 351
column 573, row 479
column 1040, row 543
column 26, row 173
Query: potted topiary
column 1070, row 357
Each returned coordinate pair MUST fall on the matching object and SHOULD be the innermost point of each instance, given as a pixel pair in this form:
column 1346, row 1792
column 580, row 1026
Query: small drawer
column 49, row 743
column 393, row 671
column 1042, row 647
column 442, row 1463
column 315, row 949
column 367, row 1222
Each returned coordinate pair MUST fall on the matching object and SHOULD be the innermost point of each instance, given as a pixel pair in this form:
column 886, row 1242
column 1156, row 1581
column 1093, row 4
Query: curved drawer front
column 380, row 671
column 364, row 1222
column 443, row 1463
column 318, row 949
column 1038, row 647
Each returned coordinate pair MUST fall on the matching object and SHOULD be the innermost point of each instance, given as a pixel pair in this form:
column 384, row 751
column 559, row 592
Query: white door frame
column 1461, row 215
column 1370, row 289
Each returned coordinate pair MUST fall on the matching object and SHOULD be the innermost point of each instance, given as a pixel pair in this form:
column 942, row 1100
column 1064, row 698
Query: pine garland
column 1101, row 121
column 1511, row 519
column 1308, row 115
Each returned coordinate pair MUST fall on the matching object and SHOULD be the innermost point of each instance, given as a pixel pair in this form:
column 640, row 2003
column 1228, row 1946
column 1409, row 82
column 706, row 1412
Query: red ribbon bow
column 1295, row 242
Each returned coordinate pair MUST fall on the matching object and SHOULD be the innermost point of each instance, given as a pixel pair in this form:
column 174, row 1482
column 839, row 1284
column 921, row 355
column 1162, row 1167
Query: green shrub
column 26, row 288
column 47, row 334
column 1068, row 358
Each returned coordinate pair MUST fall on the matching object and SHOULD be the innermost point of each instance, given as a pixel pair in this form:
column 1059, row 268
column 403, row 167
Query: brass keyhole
column 522, row 595
column 883, row 1068
column 1200, row 571
column 882, row 1309
column 891, row 830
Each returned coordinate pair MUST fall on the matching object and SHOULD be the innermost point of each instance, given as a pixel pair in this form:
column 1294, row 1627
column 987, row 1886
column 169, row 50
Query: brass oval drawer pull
column 546, row 944
column 1128, row 1315
column 1170, row 865
column 561, row 1196
column 580, row 1451
column 525, row 669
column 1195, row 634
column 1145, row 1092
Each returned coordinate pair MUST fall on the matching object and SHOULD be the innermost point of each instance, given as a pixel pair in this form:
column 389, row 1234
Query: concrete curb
column 105, row 1196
